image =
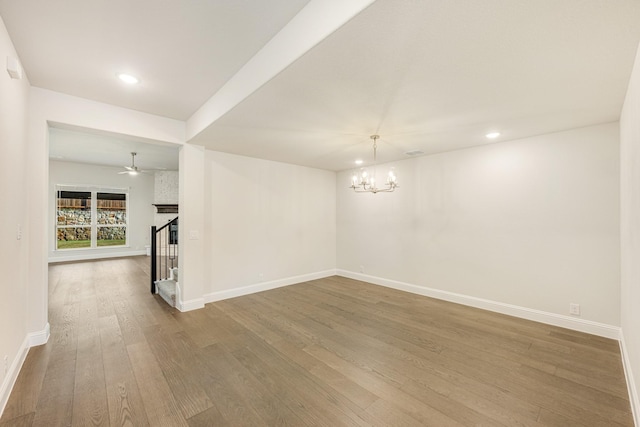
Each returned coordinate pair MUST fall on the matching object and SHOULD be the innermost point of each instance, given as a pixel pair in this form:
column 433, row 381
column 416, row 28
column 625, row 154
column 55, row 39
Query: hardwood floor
column 330, row 352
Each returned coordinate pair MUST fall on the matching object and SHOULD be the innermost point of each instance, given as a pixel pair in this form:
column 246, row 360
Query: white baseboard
column 95, row 255
column 573, row 323
column 265, row 286
column 31, row 340
column 12, row 374
column 634, row 399
column 193, row 304
column 183, row 306
column 39, row 338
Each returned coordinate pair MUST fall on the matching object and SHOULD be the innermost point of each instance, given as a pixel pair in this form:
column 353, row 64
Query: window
column 112, row 219
column 90, row 218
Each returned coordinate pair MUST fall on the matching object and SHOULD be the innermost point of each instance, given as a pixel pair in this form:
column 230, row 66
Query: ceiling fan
column 133, row 169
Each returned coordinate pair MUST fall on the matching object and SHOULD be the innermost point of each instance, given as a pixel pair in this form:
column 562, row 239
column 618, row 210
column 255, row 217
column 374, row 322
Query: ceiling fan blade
column 133, row 169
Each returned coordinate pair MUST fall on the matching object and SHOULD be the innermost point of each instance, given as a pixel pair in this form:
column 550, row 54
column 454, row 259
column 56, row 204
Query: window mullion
column 94, row 219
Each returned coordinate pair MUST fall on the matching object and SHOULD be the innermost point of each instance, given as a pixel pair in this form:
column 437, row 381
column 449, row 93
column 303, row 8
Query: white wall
column 141, row 210
column 630, row 232
column 14, row 102
column 266, row 222
column 532, row 223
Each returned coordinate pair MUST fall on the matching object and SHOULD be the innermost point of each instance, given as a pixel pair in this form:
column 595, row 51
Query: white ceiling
column 100, row 148
column 427, row 75
column 183, row 51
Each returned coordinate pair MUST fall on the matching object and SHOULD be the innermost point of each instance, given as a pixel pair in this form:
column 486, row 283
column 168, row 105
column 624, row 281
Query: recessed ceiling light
column 358, row 162
column 128, row 78
column 493, row 135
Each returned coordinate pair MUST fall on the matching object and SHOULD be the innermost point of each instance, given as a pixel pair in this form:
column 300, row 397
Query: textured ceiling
column 426, row 75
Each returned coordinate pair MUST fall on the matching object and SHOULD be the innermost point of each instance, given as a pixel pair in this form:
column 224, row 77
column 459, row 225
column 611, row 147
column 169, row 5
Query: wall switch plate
column 574, row 309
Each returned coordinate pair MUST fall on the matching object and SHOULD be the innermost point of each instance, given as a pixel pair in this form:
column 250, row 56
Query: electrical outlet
column 574, row 309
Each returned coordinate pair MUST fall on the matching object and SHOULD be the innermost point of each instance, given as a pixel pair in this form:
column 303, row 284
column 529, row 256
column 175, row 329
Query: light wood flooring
column 330, row 352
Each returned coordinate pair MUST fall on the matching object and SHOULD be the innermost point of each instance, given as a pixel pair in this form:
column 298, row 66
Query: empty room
column 320, row 213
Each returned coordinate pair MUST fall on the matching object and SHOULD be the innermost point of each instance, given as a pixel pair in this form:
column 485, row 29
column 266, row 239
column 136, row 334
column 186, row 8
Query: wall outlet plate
column 574, row 309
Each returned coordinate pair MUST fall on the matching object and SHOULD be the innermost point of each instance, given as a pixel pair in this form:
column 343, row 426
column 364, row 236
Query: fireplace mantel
column 166, row 208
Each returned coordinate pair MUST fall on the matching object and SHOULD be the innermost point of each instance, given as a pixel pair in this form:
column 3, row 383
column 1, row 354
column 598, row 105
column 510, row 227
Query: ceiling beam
column 317, row 20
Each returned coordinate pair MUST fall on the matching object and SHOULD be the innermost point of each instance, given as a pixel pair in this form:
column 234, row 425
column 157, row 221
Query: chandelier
column 365, row 182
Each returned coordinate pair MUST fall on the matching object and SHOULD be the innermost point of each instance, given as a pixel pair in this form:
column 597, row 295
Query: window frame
column 94, row 226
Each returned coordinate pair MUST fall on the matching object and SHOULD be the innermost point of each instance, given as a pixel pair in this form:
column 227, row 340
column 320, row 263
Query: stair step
column 167, row 290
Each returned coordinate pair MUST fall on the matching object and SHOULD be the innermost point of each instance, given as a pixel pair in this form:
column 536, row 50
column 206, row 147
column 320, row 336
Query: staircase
column 164, row 261
column 166, row 288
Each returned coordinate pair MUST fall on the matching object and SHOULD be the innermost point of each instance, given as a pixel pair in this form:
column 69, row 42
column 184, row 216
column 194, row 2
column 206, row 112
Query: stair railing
column 164, row 251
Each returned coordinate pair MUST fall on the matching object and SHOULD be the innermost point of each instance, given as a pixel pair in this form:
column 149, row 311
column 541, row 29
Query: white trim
column 40, row 337
column 265, row 286
column 12, row 374
column 634, row 399
column 96, row 255
column 93, row 190
column 183, row 306
column 31, row 340
column 193, row 304
column 590, row 327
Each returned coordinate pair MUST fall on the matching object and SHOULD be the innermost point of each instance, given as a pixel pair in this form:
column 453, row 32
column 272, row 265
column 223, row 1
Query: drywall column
column 191, row 259
column 38, row 178
column 630, row 235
